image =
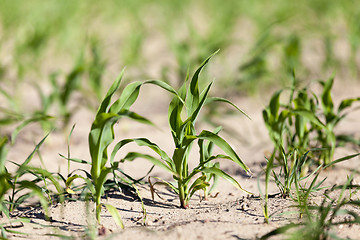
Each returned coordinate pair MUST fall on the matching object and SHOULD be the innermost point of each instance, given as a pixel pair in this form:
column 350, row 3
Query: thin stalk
column 98, row 207
column 184, row 203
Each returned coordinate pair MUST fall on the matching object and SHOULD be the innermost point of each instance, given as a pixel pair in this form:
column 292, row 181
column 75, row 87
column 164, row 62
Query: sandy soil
column 232, row 214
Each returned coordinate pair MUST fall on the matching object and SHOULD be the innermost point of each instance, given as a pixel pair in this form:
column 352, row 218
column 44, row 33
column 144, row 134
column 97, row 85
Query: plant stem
column 98, row 207
column 184, row 203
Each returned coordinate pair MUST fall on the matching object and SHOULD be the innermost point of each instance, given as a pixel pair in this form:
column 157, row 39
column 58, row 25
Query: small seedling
column 306, row 122
column 188, row 101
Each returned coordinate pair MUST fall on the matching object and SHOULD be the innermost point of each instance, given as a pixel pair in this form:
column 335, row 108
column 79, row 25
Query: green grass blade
column 27, row 122
column 49, row 176
column 166, row 183
column 115, row 214
column 174, row 118
column 28, row 159
column 75, row 159
column 3, row 153
column 199, row 186
column 341, row 160
column 69, row 181
column 135, row 116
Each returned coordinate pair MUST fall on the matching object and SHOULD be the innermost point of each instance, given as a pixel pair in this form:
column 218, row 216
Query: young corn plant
column 326, row 136
column 184, row 110
column 102, row 135
column 307, row 121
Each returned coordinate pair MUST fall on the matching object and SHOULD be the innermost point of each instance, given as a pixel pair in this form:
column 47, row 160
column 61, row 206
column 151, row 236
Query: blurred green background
column 69, row 47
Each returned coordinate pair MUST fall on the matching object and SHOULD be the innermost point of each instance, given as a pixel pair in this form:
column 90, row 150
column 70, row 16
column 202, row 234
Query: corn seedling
column 303, row 123
column 188, row 100
column 102, row 135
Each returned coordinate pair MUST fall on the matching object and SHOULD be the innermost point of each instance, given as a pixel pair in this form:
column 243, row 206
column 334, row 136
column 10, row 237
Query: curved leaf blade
column 221, row 143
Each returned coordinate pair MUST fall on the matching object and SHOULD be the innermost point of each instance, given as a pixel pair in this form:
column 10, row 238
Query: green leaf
column 198, row 184
column 224, row 175
column 133, row 155
column 147, row 143
column 100, row 137
column 49, row 176
column 135, row 116
column 326, row 96
column 115, row 214
column 347, row 103
column 174, row 118
column 197, row 110
column 309, row 115
column 75, row 159
column 166, row 183
column 131, row 93
column 28, row 159
column 221, row 143
column 275, row 105
column 104, row 106
column 27, row 122
column 69, row 180
column 341, row 160
column 219, row 99
column 165, row 86
column 5, row 184
column 3, row 153
column 127, row 98
column 193, row 98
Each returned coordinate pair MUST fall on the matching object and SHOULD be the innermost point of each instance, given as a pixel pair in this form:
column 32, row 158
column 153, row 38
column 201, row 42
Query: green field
column 60, row 58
